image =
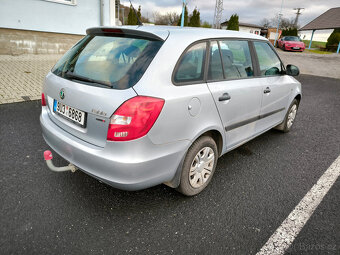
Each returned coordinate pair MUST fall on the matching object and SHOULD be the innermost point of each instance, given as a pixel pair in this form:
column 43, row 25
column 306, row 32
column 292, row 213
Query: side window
column 236, row 59
column 191, row 65
column 269, row 62
column 215, row 65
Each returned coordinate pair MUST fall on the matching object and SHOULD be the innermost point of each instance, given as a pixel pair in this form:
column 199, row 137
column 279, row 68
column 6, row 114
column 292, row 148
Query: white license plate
column 70, row 113
column 296, row 48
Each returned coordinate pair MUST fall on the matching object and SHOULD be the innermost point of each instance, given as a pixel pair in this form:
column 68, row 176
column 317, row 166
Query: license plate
column 72, row 114
column 296, row 48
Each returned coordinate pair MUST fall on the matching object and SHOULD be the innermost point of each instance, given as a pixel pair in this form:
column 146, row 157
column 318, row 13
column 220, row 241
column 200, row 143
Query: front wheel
column 289, row 119
column 199, row 166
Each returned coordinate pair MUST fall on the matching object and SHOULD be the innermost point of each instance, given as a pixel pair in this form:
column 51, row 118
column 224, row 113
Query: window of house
column 236, row 59
column 191, row 65
column 269, row 62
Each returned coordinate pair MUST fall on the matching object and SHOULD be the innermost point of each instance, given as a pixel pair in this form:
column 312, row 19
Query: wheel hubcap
column 201, row 167
column 291, row 116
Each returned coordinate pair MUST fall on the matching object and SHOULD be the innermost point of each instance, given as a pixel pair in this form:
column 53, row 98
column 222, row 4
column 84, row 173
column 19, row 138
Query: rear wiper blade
column 71, row 75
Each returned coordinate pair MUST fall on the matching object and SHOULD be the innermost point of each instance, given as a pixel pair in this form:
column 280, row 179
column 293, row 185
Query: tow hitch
column 48, row 157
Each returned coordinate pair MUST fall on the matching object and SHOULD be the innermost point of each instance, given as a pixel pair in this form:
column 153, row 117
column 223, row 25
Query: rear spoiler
column 123, row 32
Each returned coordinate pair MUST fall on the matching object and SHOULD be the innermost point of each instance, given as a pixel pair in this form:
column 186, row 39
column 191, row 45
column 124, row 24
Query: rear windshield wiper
column 72, row 75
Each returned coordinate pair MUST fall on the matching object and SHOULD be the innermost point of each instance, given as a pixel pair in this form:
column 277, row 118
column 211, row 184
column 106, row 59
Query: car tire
column 289, row 119
column 199, row 166
column 283, row 47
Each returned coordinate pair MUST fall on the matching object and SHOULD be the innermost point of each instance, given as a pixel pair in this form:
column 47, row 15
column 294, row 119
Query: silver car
column 139, row 106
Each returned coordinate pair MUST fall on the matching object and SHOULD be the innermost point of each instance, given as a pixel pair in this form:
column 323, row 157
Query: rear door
column 237, row 95
column 276, row 86
column 94, row 78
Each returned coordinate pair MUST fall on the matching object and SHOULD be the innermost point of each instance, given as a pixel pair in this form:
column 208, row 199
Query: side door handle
column 267, row 90
column 224, row 97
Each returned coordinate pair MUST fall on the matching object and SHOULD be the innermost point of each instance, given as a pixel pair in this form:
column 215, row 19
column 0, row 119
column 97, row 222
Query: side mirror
column 292, row 70
column 272, row 71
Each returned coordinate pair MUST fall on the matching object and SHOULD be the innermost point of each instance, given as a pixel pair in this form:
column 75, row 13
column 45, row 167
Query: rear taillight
column 134, row 118
column 43, row 100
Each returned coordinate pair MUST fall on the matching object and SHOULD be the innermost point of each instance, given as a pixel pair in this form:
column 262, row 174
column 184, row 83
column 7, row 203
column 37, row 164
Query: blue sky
column 250, row 11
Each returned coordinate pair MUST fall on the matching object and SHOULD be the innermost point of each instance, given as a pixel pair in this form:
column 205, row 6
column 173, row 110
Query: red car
column 292, row 43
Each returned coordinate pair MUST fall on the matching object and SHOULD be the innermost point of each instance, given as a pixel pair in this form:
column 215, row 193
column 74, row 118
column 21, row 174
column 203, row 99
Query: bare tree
column 285, row 23
column 173, row 18
column 170, row 18
column 265, row 23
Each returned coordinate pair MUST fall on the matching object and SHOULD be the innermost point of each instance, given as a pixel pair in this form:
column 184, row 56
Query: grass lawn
column 315, row 44
column 317, row 51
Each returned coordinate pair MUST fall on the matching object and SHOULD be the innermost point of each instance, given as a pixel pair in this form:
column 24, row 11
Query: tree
column 285, row 23
column 139, row 14
column 185, row 17
column 206, row 24
column 132, row 18
column 289, row 32
column 265, row 23
column 333, row 39
column 233, row 23
column 170, row 18
column 195, row 20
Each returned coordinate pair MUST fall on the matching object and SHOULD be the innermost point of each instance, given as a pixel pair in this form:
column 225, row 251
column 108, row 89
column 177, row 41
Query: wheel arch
column 298, row 98
column 215, row 134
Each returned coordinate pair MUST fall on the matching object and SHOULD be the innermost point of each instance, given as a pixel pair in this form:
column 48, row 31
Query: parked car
column 137, row 107
column 292, row 43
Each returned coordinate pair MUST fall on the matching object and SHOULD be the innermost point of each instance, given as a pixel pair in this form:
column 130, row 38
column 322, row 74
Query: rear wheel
column 199, row 166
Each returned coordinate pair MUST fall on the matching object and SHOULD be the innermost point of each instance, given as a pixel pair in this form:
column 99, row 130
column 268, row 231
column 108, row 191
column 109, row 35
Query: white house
column 245, row 27
column 49, row 26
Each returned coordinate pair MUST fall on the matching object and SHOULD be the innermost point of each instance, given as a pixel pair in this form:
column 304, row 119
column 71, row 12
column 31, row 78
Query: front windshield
column 292, row 38
column 118, row 62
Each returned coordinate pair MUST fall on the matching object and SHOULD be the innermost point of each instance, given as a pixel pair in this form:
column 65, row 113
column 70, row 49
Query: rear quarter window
column 190, row 67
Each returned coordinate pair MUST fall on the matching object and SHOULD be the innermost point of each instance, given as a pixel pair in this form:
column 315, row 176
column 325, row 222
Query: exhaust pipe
column 48, row 158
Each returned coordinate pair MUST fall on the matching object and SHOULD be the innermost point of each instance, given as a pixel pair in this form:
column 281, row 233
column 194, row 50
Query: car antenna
column 139, row 22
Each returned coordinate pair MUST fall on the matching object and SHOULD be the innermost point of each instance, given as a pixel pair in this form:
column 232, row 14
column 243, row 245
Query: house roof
column 328, row 20
column 243, row 24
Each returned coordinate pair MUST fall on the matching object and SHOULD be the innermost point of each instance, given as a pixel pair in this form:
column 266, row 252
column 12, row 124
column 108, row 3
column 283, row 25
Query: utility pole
column 183, row 9
column 218, row 14
column 298, row 13
column 278, row 24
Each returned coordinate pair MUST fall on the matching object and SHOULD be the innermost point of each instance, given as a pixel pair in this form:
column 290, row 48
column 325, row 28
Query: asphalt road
column 254, row 189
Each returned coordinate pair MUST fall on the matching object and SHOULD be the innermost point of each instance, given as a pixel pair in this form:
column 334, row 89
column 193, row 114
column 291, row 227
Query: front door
column 276, row 86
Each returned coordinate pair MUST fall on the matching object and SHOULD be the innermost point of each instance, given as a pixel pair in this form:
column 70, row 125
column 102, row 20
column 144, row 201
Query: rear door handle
column 267, row 90
column 224, row 97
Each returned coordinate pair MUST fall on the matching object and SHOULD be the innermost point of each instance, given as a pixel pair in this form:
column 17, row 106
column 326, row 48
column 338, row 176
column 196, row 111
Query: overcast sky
column 249, row 11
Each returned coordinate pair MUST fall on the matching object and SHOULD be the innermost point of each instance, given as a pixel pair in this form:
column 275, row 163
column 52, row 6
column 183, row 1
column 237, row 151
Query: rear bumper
column 130, row 165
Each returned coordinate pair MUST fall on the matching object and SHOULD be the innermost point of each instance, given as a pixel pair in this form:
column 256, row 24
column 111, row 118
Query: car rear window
column 108, row 61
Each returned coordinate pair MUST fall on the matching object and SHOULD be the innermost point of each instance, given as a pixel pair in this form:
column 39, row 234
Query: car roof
column 195, row 33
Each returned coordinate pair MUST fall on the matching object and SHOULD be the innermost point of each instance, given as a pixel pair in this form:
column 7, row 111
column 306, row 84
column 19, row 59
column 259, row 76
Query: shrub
column 333, row 39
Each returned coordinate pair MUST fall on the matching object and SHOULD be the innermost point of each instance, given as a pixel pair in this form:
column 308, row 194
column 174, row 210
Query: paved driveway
column 326, row 65
column 254, row 189
column 22, row 76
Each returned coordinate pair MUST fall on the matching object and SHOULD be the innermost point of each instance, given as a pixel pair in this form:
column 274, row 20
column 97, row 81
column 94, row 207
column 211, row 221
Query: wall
column 47, row 16
column 46, row 27
column 249, row 30
column 246, row 29
column 17, row 42
column 319, row 35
